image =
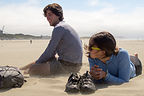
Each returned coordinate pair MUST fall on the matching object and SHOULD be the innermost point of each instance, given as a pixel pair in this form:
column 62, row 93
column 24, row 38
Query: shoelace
column 73, row 79
column 86, row 79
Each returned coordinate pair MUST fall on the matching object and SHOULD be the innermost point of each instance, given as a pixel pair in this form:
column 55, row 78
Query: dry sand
column 21, row 52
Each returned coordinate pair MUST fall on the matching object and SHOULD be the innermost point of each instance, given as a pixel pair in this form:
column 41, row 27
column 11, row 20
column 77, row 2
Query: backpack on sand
column 10, row 77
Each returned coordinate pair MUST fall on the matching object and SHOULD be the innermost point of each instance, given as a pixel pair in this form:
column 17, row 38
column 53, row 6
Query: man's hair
column 56, row 9
column 105, row 41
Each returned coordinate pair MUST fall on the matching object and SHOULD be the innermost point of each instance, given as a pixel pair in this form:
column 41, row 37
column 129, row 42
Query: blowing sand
column 20, row 52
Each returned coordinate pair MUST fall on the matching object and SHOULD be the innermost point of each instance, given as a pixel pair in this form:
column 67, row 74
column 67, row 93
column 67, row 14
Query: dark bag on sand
column 10, row 77
column 138, row 64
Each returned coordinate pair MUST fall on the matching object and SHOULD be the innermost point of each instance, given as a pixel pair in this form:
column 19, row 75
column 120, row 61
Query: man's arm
column 50, row 51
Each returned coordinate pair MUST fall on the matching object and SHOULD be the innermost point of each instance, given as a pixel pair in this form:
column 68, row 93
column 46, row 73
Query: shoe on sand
column 72, row 85
column 86, row 84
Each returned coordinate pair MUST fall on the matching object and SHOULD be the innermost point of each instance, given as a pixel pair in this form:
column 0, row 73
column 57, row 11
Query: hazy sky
column 120, row 17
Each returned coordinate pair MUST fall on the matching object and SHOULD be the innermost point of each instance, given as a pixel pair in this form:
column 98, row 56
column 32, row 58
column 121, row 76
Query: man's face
column 52, row 18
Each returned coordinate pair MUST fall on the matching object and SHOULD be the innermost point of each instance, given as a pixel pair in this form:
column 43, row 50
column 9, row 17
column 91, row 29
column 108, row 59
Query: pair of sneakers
column 77, row 83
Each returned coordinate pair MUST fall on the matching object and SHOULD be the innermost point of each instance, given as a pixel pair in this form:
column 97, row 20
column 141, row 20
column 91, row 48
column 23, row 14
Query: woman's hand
column 93, row 54
column 97, row 73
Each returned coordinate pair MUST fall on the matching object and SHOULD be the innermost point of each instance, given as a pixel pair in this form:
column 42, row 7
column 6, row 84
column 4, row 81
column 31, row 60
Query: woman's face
column 97, row 52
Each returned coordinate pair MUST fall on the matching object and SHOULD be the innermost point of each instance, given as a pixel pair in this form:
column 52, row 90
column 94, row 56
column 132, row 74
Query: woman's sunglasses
column 95, row 48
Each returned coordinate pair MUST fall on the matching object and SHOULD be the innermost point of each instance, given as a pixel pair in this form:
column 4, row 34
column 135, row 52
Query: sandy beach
column 20, row 52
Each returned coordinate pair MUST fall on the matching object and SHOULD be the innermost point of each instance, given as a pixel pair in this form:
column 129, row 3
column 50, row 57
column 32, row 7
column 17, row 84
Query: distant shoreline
column 29, row 37
column 21, row 37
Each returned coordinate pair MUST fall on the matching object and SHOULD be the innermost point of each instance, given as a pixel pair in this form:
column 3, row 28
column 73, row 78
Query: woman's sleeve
column 123, row 69
column 91, row 62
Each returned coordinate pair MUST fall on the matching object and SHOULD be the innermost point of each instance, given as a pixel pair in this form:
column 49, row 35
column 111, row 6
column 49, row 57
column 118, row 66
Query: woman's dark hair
column 105, row 41
column 56, row 9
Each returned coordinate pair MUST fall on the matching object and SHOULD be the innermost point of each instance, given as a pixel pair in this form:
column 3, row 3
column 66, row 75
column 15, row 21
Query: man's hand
column 97, row 73
column 27, row 66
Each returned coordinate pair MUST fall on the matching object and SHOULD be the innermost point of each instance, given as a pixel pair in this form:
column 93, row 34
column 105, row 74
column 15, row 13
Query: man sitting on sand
column 64, row 41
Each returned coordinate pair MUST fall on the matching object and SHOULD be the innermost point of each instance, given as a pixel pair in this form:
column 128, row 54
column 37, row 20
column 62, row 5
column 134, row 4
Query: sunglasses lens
column 95, row 48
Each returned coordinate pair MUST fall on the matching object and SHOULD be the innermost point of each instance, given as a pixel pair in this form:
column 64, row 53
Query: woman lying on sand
column 109, row 63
